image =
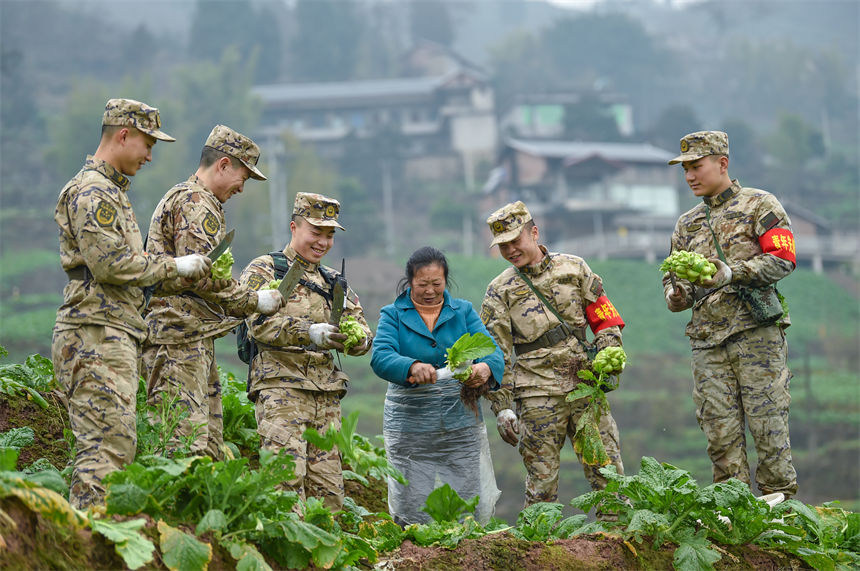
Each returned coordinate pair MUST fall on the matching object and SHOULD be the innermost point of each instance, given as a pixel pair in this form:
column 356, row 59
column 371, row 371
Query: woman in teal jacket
column 430, row 435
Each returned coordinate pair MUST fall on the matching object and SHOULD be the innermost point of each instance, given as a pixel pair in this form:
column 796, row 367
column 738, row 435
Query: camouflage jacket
column 98, row 230
column 190, row 220
column 745, row 220
column 515, row 315
column 286, row 355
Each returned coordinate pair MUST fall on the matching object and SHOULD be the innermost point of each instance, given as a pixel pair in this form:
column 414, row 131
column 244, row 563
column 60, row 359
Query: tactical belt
column 552, row 337
column 79, row 273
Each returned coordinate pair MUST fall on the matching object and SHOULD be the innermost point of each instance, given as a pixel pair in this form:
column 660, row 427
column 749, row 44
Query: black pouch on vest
column 763, row 303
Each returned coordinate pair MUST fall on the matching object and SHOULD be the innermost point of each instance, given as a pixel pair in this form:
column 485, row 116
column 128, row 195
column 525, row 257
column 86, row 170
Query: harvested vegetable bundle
column 353, row 331
column 690, row 266
column 273, row 284
column 586, row 441
column 468, row 348
column 221, row 268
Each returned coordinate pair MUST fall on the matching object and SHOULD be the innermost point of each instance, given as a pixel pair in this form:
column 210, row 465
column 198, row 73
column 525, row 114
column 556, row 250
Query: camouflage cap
column 507, row 222
column 317, row 209
column 700, row 144
column 228, row 141
column 131, row 113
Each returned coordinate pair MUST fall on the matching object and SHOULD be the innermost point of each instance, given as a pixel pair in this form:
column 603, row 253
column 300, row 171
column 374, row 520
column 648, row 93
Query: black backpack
column 246, row 347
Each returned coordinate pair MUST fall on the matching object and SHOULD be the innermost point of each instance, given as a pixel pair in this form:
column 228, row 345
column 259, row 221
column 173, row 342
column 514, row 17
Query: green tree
column 326, row 41
column 217, row 25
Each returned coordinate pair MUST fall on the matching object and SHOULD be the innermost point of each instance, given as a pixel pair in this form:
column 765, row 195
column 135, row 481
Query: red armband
column 602, row 314
column 780, row 243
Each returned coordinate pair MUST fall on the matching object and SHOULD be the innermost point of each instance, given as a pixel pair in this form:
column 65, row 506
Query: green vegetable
column 274, row 284
column 586, row 441
column 689, row 266
column 609, row 361
column 468, row 348
column 353, row 331
column 222, row 266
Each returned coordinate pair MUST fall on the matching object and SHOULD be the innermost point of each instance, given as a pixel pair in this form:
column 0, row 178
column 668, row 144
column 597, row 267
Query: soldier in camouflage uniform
column 739, row 365
column 293, row 379
column 96, row 338
column 179, row 356
column 540, row 350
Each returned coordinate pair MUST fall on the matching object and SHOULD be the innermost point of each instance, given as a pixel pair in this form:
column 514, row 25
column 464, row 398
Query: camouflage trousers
column 283, row 415
column 97, row 367
column 545, row 422
column 746, row 380
column 188, row 372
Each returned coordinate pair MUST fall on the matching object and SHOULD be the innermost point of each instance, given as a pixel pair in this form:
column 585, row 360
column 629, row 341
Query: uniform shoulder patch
column 521, row 291
column 692, row 227
column 769, row 220
column 256, row 281
column 486, row 314
column 596, row 287
column 211, row 224
column 105, row 213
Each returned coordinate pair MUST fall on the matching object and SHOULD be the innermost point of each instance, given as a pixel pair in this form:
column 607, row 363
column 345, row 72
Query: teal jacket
column 402, row 338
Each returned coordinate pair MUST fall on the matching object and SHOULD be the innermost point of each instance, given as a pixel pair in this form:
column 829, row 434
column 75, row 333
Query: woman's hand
column 480, row 375
column 422, row 374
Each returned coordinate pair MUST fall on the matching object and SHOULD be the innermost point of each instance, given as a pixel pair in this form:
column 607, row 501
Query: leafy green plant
column 445, row 504
column 221, row 268
column 468, row 348
column 158, row 426
column 353, row 331
column 34, row 375
column 586, row 441
column 826, row 537
column 240, row 424
column 689, row 266
column 364, row 458
column 543, row 522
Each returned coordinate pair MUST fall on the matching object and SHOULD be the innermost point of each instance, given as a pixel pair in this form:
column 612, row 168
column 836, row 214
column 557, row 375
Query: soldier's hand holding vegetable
column 326, row 336
column 723, row 275
column 269, row 301
column 193, row 266
column 509, row 429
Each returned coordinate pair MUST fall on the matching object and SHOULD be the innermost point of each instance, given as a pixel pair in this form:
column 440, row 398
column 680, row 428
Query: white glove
column 269, row 301
column 676, row 299
column 509, row 429
column 722, row 277
column 193, row 266
column 326, row 336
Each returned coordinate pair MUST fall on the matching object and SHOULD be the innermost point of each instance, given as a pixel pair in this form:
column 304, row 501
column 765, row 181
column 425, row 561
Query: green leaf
column 536, row 522
column 445, row 504
column 587, row 443
column 9, row 458
column 17, row 438
column 212, row 520
column 129, row 543
column 694, row 553
column 469, row 347
column 181, row 551
column 247, row 557
column 581, row 391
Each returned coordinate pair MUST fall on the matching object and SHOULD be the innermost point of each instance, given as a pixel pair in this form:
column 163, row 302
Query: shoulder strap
column 716, row 242
column 282, row 265
column 580, row 336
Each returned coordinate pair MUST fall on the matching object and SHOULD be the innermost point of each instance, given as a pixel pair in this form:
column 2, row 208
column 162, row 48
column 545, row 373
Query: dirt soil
column 47, row 425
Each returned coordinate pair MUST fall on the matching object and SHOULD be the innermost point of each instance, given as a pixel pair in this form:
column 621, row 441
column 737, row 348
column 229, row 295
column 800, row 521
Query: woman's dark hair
column 420, row 258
